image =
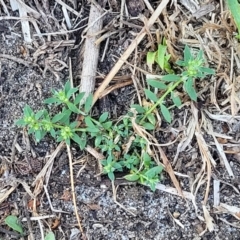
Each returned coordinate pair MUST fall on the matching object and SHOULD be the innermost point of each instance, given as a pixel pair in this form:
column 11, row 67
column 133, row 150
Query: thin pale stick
column 73, row 188
column 50, row 203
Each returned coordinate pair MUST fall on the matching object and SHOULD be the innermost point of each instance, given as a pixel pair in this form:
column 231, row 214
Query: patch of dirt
column 29, row 72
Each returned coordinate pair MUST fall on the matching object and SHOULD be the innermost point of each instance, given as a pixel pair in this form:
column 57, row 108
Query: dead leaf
column 94, row 206
column 55, row 223
column 67, row 196
column 222, row 140
column 176, row 214
column 208, row 219
column 170, row 171
column 23, row 51
column 31, row 204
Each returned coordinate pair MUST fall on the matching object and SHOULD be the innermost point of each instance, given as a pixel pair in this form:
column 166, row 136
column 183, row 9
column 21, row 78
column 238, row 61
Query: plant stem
column 80, row 130
column 160, row 100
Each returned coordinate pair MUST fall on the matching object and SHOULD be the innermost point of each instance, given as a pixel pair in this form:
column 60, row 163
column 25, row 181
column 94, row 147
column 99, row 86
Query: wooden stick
column 91, row 52
column 129, row 50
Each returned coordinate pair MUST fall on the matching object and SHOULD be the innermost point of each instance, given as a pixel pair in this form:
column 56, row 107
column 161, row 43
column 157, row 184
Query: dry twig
column 73, row 189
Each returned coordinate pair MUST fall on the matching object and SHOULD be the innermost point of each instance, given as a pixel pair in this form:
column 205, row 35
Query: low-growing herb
column 125, row 150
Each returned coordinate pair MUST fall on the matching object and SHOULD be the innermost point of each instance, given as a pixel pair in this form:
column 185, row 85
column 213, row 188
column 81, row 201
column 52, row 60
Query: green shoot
column 234, row 7
column 50, row 236
column 13, row 222
column 160, row 57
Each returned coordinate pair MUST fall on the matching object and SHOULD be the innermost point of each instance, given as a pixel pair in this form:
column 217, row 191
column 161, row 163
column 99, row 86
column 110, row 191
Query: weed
column 49, row 236
column 192, row 68
column 160, row 57
column 120, row 142
column 13, row 222
column 234, row 7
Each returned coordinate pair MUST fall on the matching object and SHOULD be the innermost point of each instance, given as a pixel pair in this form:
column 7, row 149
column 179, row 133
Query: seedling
column 234, row 7
column 13, row 222
column 160, row 57
column 50, row 236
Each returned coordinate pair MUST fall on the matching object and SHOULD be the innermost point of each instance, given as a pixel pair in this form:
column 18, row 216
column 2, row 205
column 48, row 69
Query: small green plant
column 124, row 147
column 13, row 222
column 160, row 57
column 50, row 236
column 234, row 7
column 192, row 68
column 59, row 126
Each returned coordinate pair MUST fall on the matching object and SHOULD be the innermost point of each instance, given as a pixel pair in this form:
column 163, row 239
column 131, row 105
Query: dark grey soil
column 102, row 218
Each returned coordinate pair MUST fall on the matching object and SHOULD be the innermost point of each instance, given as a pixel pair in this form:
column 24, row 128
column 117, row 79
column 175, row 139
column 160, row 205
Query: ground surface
column 147, row 214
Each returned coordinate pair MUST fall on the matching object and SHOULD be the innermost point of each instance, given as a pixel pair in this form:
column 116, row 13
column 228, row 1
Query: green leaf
column 73, row 124
column 171, row 78
column 59, row 138
column 151, row 173
column 83, row 142
column 78, row 98
column 98, row 140
column 73, row 108
column 89, row 122
column 27, row 111
column 67, row 141
column 111, row 176
column 167, row 57
column 132, row 177
column 71, row 91
column 92, row 130
column 207, row 70
column 166, row 114
column 20, row 122
column 148, row 126
column 161, row 55
column 58, row 117
column 152, row 96
column 67, row 87
column 76, row 139
column 88, row 103
column 109, row 159
column 151, row 118
column 38, row 135
column 12, row 222
column 146, row 159
column 151, row 58
column 103, row 117
column 39, row 114
column 53, row 133
column 138, row 108
column 187, row 54
column 50, row 236
column 188, row 85
column 200, row 54
column 176, row 99
column 107, row 125
column 65, row 120
column 181, row 63
column 52, row 100
column 156, row 84
column 31, row 130
column 117, row 166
